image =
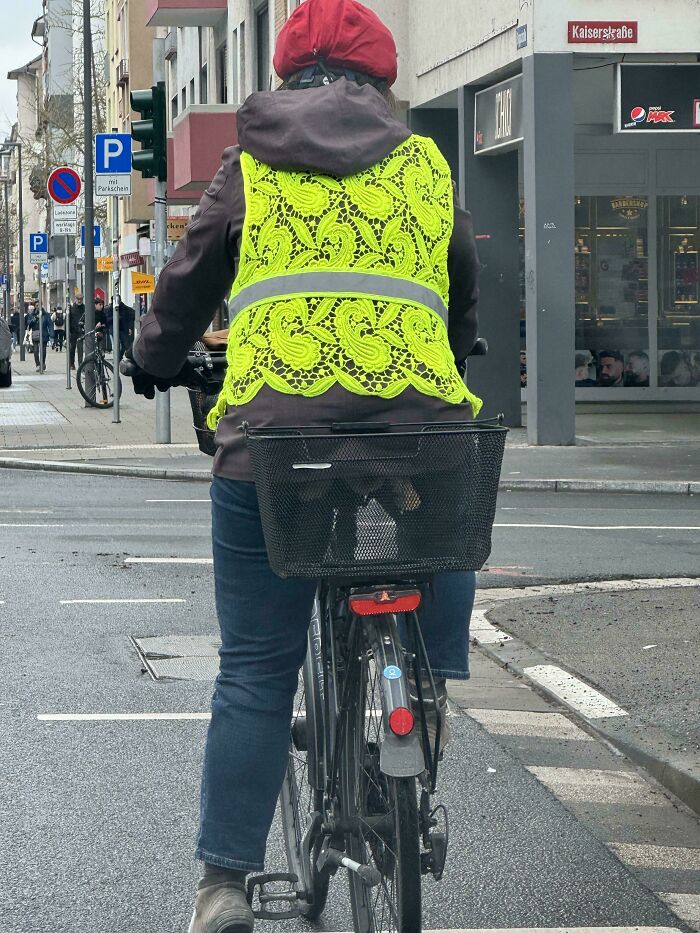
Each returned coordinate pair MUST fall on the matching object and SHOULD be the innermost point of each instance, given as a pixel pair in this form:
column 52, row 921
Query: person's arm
column 197, row 278
column 463, row 270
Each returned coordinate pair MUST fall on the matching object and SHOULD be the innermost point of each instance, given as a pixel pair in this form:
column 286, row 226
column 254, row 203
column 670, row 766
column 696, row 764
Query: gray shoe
column 222, row 908
column 431, row 714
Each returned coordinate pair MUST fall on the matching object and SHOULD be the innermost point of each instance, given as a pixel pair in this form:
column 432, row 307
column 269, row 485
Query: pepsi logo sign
column 638, row 114
column 655, row 115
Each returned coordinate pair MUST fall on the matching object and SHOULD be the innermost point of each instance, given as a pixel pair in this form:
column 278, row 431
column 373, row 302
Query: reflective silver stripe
column 329, row 282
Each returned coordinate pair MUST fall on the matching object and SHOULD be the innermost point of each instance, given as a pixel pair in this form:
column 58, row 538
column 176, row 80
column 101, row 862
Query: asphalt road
column 98, row 818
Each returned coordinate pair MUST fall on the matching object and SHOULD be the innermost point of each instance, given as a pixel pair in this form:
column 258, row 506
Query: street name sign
column 38, row 247
column 113, row 164
column 64, row 185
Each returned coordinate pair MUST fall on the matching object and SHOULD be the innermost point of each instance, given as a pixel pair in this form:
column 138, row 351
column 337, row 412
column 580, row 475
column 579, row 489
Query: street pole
column 7, row 241
column 89, row 254
column 116, row 297
column 21, row 255
column 163, row 431
column 66, row 316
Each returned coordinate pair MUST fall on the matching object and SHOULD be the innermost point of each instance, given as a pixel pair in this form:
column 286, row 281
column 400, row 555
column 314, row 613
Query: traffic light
column 150, row 131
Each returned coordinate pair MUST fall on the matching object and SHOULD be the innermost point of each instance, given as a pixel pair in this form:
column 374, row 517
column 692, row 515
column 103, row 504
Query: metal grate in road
column 22, row 414
column 179, row 657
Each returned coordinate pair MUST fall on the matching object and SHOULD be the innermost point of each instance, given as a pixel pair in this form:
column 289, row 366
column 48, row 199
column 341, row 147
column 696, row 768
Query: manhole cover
column 22, row 414
column 179, row 657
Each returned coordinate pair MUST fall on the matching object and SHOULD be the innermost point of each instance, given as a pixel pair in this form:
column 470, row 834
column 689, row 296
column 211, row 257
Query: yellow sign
column 177, row 227
column 105, row 263
column 142, row 284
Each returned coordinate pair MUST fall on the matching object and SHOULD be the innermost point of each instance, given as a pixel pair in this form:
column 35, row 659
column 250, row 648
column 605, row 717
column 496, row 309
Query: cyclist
column 350, row 247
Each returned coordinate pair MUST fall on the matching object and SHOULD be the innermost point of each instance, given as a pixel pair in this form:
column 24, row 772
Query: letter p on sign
column 112, row 154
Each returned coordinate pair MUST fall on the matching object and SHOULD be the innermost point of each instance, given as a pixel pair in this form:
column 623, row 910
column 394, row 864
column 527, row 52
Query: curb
column 675, row 771
column 665, row 487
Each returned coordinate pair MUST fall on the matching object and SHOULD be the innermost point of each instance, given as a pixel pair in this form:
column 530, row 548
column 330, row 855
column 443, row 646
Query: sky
column 16, row 49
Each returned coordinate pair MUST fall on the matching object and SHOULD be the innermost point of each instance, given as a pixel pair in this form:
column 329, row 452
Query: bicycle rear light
column 401, row 721
column 384, row 601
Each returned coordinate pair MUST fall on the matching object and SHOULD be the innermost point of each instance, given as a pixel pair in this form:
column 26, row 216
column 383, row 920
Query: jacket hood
column 338, row 129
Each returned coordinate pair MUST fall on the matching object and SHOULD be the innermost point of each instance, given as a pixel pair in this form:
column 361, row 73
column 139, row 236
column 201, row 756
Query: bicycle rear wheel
column 383, row 814
column 95, row 380
column 302, row 794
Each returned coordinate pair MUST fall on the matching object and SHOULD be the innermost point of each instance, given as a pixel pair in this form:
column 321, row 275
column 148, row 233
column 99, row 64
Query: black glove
column 145, row 384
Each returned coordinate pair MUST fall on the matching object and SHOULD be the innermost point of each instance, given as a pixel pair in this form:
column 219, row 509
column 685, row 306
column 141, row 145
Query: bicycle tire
column 393, row 906
column 298, row 799
column 103, row 382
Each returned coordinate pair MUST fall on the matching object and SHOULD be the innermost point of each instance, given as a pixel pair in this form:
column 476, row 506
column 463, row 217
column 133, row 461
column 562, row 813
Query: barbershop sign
column 498, row 116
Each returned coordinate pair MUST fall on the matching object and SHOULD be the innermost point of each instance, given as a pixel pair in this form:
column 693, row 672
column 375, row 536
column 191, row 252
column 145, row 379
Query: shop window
column 611, row 292
column 679, row 305
column 262, row 47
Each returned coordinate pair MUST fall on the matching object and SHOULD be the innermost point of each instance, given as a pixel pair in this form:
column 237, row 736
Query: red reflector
column 373, row 604
column 401, row 721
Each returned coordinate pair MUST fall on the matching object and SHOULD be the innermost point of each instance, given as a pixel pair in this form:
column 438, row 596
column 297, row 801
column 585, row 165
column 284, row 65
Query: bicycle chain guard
column 265, row 897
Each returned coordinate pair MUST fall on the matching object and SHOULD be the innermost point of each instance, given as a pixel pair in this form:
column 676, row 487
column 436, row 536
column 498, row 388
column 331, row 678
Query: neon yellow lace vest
column 344, row 281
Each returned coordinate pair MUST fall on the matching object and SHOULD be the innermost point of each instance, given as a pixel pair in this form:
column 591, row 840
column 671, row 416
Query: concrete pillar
column 548, row 150
column 488, row 187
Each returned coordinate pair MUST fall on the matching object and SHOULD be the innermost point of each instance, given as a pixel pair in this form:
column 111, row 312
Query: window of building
column 192, row 101
column 173, row 109
column 262, row 47
column 222, row 74
column 183, row 99
column 679, row 304
column 203, row 65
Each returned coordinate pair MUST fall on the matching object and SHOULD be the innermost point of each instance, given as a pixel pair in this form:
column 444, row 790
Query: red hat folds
column 342, row 32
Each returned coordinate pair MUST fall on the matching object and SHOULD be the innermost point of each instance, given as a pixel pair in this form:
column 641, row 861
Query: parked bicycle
column 95, row 376
column 372, row 512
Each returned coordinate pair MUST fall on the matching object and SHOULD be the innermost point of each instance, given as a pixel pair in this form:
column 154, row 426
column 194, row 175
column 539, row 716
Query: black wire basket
column 387, row 505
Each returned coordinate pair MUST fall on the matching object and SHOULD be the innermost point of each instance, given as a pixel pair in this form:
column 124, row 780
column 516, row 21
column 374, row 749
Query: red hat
column 342, row 32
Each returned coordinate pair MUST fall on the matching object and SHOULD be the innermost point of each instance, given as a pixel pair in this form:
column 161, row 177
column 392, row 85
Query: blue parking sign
column 112, row 154
column 38, row 242
column 97, row 236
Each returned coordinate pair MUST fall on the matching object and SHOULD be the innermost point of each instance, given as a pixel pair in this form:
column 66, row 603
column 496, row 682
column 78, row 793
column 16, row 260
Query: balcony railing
column 122, row 72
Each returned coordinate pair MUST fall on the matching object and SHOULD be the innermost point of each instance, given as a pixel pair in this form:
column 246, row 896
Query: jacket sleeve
column 198, row 277
column 463, row 270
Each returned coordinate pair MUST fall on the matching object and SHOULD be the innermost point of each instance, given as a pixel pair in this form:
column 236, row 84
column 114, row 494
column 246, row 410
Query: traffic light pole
column 163, row 429
column 89, row 253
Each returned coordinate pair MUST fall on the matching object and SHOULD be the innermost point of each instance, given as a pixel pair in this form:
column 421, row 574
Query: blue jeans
column 264, row 621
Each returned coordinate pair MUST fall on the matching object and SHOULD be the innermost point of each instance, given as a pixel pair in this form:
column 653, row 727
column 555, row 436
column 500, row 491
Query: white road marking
column 497, row 594
column 597, row 786
column 525, row 723
column 118, row 717
column 598, row 527
column 30, row 525
column 76, row 450
column 670, row 858
column 178, row 500
column 574, row 693
column 687, row 906
column 26, row 511
column 76, row 602
column 168, row 560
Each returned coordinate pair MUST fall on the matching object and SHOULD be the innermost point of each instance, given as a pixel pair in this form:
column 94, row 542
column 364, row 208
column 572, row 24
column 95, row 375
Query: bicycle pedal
column 268, row 897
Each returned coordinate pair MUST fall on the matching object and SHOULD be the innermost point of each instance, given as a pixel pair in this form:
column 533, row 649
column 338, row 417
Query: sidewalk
column 41, row 420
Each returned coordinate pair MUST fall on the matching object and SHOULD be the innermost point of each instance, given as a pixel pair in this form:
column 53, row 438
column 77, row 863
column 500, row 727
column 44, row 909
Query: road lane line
column 168, row 560
column 179, row 500
column 30, row 525
column 574, row 693
column 598, row 527
column 77, row 602
column 26, row 511
column 120, row 717
column 497, row 594
column 670, row 858
column 526, row 723
column 598, row 786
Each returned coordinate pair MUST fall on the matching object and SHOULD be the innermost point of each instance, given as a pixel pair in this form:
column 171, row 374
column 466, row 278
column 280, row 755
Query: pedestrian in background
column 76, row 314
column 39, row 323
column 14, row 328
column 58, row 319
column 127, row 318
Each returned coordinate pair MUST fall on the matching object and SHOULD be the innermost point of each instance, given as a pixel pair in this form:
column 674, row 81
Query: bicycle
column 372, row 512
column 95, row 375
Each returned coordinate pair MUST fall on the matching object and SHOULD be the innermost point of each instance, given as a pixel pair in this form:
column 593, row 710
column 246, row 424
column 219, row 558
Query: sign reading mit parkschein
column 498, row 116
column 661, row 98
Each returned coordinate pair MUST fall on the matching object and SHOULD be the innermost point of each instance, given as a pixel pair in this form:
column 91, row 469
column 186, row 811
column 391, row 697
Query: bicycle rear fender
column 401, row 757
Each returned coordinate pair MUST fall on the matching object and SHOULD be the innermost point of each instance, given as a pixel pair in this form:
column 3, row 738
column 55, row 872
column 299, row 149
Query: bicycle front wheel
column 382, row 815
column 95, row 380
